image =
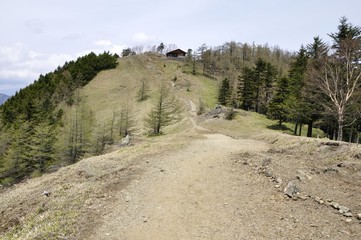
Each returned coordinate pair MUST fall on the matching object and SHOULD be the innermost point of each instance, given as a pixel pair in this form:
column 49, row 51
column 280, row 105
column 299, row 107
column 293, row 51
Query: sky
column 37, row 36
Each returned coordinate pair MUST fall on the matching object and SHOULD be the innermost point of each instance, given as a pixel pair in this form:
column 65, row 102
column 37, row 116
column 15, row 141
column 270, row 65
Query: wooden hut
column 178, row 54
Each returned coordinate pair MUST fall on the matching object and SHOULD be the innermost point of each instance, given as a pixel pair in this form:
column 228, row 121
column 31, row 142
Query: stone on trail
column 266, row 162
column 302, row 175
column 291, row 190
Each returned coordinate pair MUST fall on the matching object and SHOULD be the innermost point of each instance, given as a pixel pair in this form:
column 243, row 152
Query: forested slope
column 31, row 118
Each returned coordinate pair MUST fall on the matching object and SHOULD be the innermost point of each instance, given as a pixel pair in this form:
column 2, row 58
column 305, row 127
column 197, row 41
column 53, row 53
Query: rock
column 302, row 175
column 268, row 173
column 348, row 220
column 343, row 209
column 334, row 144
column 46, row 193
column 291, row 190
column 266, row 162
column 277, row 186
column 335, row 205
column 279, row 180
column 215, row 112
column 348, row 214
column 125, row 141
column 89, row 201
column 340, row 164
column 319, row 200
column 303, row 197
column 358, row 216
column 331, row 170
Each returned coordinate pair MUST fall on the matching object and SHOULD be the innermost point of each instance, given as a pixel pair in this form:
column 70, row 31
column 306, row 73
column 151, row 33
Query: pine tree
column 296, row 103
column 224, row 93
column 248, row 91
column 267, row 88
column 126, row 122
column 42, row 146
column 165, row 111
column 259, row 78
column 78, row 132
column 17, row 158
column 278, row 109
column 143, row 91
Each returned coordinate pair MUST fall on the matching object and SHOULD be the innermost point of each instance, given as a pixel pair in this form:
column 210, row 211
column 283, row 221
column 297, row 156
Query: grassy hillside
column 113, row 89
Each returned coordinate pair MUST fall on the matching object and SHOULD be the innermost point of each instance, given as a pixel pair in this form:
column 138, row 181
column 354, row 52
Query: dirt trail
column 189, row 194
column 196, row 184
column 207, row 191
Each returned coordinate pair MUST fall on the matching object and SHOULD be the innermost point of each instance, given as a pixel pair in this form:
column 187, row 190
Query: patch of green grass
column 278, row 127
column 58, row 223
column 247, row 124
column 209, row 91
column 289, row 129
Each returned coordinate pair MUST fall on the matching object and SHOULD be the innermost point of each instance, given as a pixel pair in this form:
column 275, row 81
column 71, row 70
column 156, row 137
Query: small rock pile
column 215, row 112
column 293, row 191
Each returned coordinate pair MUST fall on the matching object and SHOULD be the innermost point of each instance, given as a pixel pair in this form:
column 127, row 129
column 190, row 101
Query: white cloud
column 117, row 49
column 104, row 43
column 142, row 37
column 46, row 62
column 12, row 54
column 20, row 66
column 18, row 74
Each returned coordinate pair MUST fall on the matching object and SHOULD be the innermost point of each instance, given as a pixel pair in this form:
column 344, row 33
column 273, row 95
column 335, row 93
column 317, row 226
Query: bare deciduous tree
column 143, row 91
column 338, row 74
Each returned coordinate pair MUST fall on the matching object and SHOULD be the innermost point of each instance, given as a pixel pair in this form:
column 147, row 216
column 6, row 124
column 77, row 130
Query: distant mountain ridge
column 3, row 98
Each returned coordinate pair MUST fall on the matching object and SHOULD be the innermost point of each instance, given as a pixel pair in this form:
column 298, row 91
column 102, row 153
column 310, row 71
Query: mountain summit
column 3, row 98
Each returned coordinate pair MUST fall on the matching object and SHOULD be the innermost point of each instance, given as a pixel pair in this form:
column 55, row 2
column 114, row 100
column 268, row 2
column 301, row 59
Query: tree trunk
column 296, row 127
column 351, row 134
column 158, row 128
column 300, row 130
column 340, row 127
column 309, row 130
column 257, row 101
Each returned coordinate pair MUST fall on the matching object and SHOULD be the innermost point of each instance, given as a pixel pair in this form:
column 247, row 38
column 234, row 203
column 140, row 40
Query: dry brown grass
column 112, row 89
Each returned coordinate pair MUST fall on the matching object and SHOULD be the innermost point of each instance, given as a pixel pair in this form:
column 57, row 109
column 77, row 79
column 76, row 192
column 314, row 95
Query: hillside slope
column 206, row 178
column 112, row 89
column 197, row 184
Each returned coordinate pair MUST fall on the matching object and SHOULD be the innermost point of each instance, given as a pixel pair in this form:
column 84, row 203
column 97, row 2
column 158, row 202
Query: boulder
column 125, row 141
